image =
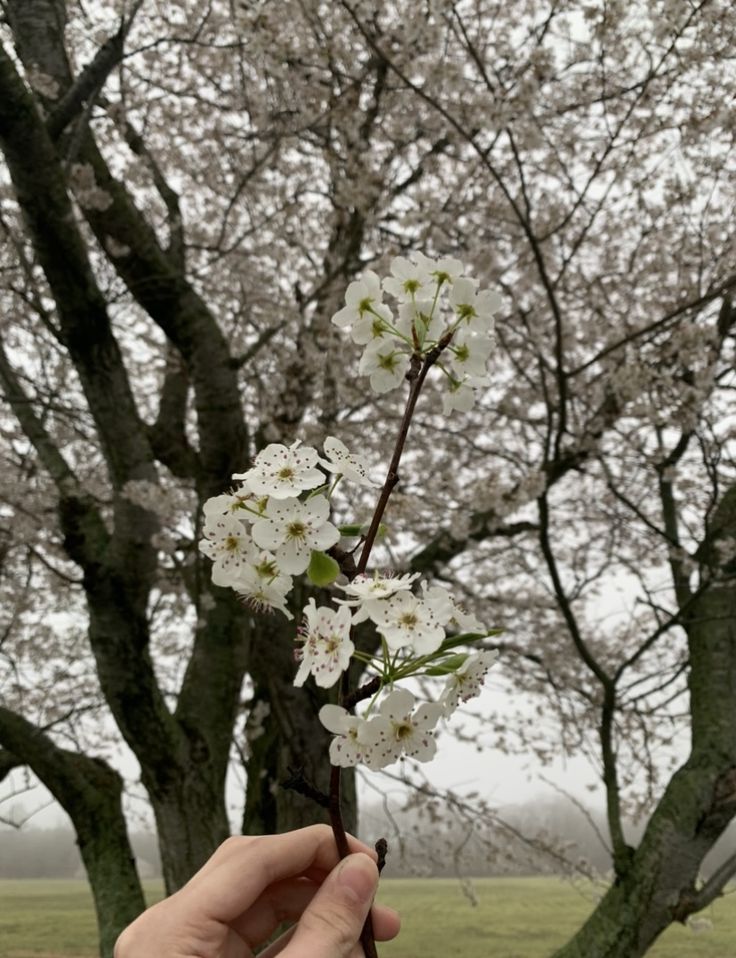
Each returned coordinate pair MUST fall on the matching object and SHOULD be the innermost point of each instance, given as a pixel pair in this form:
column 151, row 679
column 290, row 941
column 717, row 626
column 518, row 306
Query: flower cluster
column 435, row 304
column 268, row 529
column 414, row 639
column 404, row 619
column 400, row 727
column 276, row 525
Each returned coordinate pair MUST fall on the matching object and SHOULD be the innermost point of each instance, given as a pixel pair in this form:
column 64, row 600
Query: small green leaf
column 322, row 569
column 355, row 529
column 352, row 529
column 467, row 638
column 448, row 665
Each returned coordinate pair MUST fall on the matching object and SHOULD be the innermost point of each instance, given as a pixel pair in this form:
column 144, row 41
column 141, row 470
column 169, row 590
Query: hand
column 250, row 885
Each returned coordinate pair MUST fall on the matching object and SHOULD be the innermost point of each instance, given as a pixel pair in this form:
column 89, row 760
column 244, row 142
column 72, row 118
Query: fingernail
column 358, row 876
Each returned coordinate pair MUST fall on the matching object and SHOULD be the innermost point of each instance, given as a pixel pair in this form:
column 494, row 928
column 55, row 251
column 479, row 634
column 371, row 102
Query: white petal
column 422, row 747
column 318, row 508
column 293, row 556
column 343, row 752
column 427, row 716
column 302, row 673
column 267, row 533
column 324, row 537
column 397, row 704
column 333, row 718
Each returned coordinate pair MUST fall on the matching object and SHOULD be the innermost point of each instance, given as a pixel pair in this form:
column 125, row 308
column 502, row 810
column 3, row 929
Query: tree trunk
column 292, row 736
column 191, row 822
column 90, row 793
column 659, row 886
column 108, row 859
column 269, row 806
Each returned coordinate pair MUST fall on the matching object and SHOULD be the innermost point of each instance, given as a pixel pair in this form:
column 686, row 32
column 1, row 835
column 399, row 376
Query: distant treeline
column 547, row 837
column 52, row 853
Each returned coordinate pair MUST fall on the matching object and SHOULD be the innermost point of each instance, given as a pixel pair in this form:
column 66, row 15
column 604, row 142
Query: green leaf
column 448, row 665
column 322, row 569
column 352, row 529
column 467, row 638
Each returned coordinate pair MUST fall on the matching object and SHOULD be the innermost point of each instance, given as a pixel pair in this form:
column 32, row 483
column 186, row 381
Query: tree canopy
column 187, row 191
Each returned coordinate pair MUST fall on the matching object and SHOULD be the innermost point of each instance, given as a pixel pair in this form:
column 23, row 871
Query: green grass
column 50, row 918
column 514, row 918
column 523, row 918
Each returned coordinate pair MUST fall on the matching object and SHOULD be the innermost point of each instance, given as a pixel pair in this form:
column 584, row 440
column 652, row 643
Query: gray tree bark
column 90, row 793
column 658, row 885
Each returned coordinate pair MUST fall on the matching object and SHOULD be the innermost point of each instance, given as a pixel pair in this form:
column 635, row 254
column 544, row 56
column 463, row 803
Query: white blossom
column 411, row 732
column 375, row 323
column 242, row 504
column 467, row 681
column 461, row 394
column 448, row 611
column 327, row 646
column 262, row 585
column 474, row 309
column 443, row 270
column 378, row 586
column 469, row 353
column 292, row 529
column 365, row 590
column 227, row 542
column 282, row 472
column 340, row 460
column 408, row 281
column 356, row 739
column 362, row 299
column 385, row 363
column 406, row 620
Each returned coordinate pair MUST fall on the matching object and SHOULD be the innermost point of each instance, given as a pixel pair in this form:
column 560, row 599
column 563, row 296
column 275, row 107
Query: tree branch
column 92, row 78
column 711, row 890
column 8, row 761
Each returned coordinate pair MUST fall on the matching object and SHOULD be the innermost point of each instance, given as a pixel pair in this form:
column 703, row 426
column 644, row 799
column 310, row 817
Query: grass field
column 514, row 918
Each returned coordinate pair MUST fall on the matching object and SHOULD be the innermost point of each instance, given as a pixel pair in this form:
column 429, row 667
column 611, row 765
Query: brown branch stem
column 416, row 376
column 367, row 938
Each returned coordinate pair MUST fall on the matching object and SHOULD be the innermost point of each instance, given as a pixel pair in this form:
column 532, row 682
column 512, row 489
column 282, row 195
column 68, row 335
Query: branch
column 70, row 776
column 86, row 537
column 168, row 435
column 263, row 339
column 711, row 890
column 53, row 461
column 722, row 289
column 8, row 761
column 85, row 331
column 445, row 545
column 92, row 78
column 152, row 276
column 177, row 246
column 485, row 525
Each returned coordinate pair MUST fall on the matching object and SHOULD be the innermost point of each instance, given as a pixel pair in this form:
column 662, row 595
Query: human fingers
column 243, row 867
column 286, row 901
column 331, row 924
column 386, row 925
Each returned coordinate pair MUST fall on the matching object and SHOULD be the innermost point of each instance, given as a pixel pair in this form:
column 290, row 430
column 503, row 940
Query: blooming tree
column 189, row 192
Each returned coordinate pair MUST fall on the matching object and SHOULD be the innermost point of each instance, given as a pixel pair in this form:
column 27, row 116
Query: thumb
column 331, row 924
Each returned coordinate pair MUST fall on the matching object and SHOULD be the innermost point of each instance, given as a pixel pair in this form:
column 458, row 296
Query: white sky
column 501, row 779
